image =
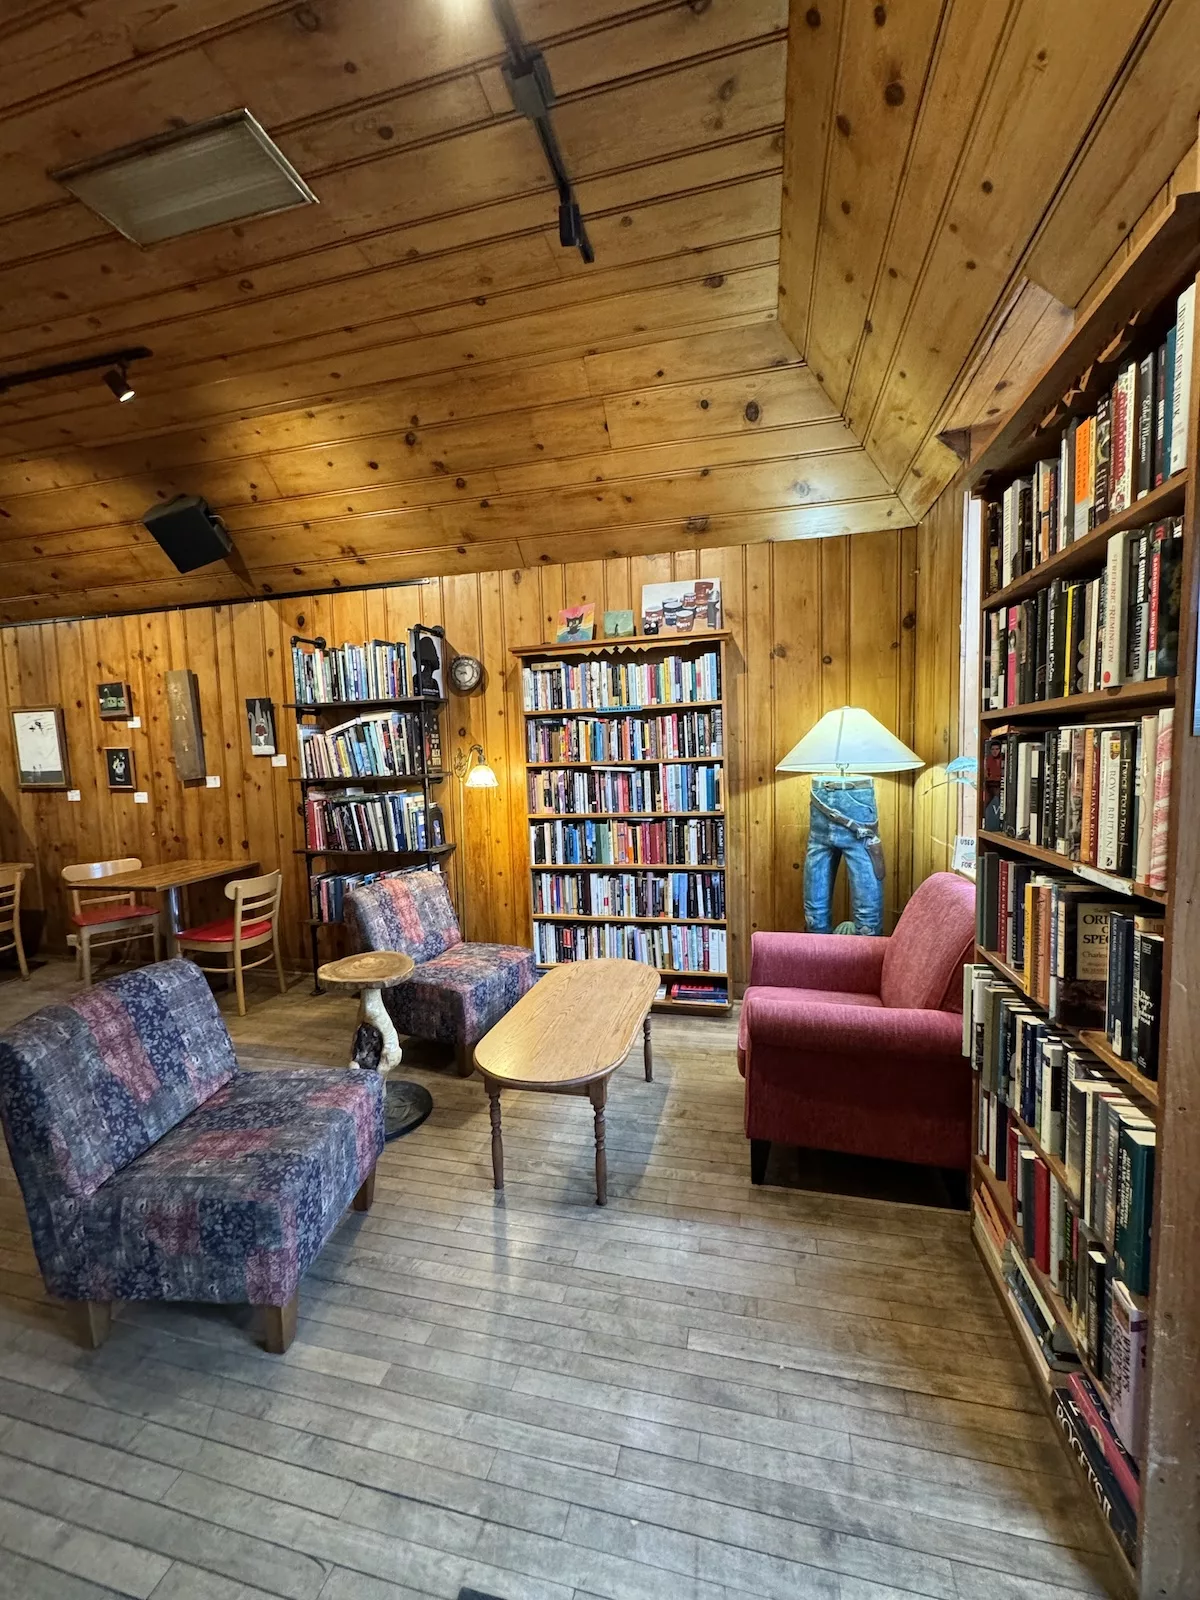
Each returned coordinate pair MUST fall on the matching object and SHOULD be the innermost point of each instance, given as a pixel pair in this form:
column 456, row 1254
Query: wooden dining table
column 171, row 879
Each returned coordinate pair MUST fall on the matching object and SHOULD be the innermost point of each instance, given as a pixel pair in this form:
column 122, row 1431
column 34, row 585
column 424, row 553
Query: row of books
column 1034, row 1080
column 386, row 744
column 328, row 891
column 673, row 948
column 630, row 894
column 596, row 790
column 1081, row 1410
column 1095, row 793
column 1076, row 637
column 692, row 993
column 588, row 684
column 1134, row 442
column 392, row 821
column 377, row 670
column 669, row 735
column 682, row 842
column 1090, row 960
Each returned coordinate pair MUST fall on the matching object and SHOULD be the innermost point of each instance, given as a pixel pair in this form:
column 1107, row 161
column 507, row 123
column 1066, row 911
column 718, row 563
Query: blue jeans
column 829, row 842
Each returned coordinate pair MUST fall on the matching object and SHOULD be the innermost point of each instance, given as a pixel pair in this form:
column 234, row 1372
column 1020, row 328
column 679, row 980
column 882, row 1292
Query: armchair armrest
column 843, row 963
column 821, row 1028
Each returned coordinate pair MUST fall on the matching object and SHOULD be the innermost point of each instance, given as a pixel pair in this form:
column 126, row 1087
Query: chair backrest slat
column 254, row 899
column 10, row 902
column 82, row 874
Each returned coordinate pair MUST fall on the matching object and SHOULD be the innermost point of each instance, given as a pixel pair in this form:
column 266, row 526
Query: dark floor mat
column 476, row 1594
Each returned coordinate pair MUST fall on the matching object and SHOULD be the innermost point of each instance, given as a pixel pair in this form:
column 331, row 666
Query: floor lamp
column 843, row 752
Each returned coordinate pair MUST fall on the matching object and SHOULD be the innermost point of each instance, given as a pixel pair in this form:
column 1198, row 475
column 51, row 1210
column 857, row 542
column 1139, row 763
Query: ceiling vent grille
column 212, row 173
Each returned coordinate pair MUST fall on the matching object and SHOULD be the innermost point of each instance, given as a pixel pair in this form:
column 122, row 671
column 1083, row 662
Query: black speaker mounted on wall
column 189, row 531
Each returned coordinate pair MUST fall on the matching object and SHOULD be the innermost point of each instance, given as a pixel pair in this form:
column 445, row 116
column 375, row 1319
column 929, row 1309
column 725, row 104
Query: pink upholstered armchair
column 853, row 1043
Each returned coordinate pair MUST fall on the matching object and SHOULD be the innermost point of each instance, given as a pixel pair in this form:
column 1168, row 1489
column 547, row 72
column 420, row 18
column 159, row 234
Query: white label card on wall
column 74, row 794
column 280, row 760
column 141, row 798
column 213, row 781
column 134, row 722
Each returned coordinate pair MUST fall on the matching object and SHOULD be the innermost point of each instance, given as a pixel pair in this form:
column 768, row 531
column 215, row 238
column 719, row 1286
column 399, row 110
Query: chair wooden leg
column 156, row 938
column 93, row 1318
column 21, row 961
column 598, row 1094
column 85, row 952
column 760, row 1150
column 363, row 1199
column 648, row 1049
column 279, row 1325
column 463, row 1063
column 497, row 1137
column 279, row 965
column 241, row 984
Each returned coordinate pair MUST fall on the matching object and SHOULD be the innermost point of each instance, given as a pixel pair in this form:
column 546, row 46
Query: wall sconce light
column 477, row 775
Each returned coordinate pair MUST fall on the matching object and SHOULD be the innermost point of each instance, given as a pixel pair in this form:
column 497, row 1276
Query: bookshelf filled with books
column 1082, row 1008
column 369, row 745
column 625, row 790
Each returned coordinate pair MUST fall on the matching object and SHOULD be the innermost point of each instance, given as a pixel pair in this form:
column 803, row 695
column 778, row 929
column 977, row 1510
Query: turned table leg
column 598, row 1094
column 497, row 1142
column 647, row 1049
column 374, row 1010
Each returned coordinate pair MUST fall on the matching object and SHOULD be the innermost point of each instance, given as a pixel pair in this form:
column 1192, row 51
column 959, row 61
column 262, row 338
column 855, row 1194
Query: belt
column 862, row 833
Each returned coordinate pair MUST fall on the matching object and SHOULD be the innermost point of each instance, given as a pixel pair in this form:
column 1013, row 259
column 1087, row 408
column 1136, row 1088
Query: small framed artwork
column 618, row 624
column 116, row 702
column 120, row 768
column 260, row 714
column 691, row 607
column 576, row 624
column 187, row 734
column 40, row 737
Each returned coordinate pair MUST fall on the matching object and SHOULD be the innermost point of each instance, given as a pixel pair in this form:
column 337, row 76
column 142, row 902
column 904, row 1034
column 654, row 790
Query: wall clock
column 466, row 674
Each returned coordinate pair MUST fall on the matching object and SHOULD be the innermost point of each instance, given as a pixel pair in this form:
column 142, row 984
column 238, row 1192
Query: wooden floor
column 703, row 1392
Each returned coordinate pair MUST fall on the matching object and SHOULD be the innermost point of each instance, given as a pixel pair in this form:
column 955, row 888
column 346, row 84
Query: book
column 1099, row 1420
column 1181, row 393
column 1156, row 878
column 1123, row 440
column 1085, row 463
column 1116, row 610
column 1144, row 465
column 1160, row 415
column 1101, row 471
column 1134, row 1185
column 1127, row 1366
column 1118, row 1513
column 1148, row 949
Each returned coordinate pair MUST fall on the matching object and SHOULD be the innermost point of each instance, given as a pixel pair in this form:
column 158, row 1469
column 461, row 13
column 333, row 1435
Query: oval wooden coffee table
column 568, row 1035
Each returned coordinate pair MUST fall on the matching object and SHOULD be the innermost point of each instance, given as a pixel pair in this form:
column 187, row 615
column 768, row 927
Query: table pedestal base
column 373, row 1013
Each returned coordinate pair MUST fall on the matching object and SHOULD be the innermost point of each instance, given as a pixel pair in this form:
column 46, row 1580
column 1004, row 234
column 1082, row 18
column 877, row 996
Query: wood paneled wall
column 816, row 624
column 936, row 716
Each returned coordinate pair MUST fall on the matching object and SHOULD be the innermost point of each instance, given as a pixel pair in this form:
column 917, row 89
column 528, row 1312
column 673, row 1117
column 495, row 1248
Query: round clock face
column 466, row 674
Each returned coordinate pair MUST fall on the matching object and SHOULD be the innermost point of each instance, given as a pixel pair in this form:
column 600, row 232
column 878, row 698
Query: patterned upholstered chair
column 458, row 991
column 153, row 1169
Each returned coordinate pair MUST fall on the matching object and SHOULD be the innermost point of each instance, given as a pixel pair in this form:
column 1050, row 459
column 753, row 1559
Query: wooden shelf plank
column 1154, row 692
column 1089, row 553
column 635, row 641
column 1145, row 1088
column 1078, row 869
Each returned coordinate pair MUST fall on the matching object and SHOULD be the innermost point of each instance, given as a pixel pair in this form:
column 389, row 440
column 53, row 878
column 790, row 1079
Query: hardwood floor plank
column 118, row 1564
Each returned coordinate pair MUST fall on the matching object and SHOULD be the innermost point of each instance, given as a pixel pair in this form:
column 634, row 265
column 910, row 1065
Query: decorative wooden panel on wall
column 817, row 624
column 935, row 722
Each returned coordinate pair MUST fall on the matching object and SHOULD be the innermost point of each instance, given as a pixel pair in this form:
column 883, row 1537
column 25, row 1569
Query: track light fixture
column 527, row 78
column 117, row 380
column 117, row 363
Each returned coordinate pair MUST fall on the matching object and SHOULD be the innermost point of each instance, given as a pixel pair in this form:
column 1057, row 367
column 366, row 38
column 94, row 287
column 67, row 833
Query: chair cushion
column 223, row 929
column 96, row 916
column 234, row 1203
column 86, row 1087
column 410, row 913
column 922, row 969
column 458, row 996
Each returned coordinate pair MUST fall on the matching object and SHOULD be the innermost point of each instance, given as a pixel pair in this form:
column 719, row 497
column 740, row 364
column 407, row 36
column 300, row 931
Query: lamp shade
column 849, row 740
column 481, row 776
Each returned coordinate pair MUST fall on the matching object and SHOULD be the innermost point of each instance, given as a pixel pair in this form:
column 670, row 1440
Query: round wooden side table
column 370, row 974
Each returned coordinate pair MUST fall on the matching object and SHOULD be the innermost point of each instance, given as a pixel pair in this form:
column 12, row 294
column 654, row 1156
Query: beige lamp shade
column 481, row 776
column 850, row 740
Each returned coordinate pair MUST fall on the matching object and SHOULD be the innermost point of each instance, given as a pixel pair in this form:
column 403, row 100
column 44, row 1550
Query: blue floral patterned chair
column 457, row 991
column 154, row 1169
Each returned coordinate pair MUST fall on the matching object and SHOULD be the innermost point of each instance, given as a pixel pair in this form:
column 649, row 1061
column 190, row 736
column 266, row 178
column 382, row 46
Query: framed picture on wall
column 260, row 714
column 40, row 738
column 116, row 702
column 119, row 763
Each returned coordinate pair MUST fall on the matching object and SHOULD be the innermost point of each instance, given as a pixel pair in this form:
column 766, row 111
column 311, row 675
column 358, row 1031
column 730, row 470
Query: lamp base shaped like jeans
column 830, row 842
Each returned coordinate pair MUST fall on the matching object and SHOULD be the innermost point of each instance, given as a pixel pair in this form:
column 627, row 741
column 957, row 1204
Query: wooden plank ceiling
column 415, row 378
column 958, row 173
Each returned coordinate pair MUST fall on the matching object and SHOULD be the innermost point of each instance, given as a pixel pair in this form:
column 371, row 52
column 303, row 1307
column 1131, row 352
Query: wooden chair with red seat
column 253, row 925
column 10, row 915
column 105, row 917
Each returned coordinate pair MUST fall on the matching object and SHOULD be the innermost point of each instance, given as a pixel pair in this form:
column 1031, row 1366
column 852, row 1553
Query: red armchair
column 854, row 1043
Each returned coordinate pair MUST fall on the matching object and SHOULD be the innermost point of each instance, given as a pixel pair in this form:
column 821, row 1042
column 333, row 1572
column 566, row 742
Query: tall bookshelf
column 1125, row 323
column 420, row 775
column 629, row 851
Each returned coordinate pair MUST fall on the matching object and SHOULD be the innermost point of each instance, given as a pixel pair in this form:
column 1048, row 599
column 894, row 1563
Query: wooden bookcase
column 1107, row 333
column 686, row 647
column 328, row 714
